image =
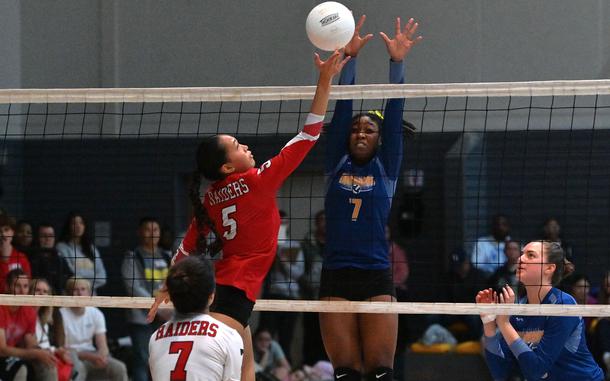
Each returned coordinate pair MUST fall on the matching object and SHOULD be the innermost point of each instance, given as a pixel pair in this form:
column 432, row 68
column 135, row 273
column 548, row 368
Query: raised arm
column 340, row 124
column 391, row 150
column 276, row 170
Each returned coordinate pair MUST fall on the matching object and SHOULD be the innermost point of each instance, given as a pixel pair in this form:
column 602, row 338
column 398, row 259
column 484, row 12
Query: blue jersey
column 551, row 348
column 358, row 198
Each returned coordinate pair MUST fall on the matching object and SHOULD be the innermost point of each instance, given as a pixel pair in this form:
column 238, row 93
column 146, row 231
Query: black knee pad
column 380, row 374
column 347, row 374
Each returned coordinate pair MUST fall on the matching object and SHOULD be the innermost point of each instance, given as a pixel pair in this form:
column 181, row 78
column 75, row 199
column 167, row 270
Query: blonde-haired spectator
column 85, row 330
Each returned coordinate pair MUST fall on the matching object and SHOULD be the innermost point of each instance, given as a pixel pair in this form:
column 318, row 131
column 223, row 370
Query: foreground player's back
column 195, row 348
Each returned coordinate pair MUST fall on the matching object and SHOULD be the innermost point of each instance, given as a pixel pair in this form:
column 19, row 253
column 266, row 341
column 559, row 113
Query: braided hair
column 210, row 157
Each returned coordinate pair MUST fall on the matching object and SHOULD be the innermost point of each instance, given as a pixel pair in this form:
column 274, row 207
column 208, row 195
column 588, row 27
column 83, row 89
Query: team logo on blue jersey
column 356, row 184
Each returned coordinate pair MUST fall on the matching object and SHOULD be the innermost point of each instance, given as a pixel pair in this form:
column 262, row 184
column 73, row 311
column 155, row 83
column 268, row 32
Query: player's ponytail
column 555, row 254
column 202, row 220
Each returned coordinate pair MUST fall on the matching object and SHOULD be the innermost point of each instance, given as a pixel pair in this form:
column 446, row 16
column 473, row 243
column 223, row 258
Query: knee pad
column 380, row 374
column 347, row 374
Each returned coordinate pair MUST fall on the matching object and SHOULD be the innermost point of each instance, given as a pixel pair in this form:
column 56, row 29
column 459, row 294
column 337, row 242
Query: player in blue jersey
column 362, row 174
column 551, row 348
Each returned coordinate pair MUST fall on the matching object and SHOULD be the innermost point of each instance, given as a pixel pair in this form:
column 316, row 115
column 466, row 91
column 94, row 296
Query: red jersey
column 15, row 261
column 244, row 211
column 16, row 324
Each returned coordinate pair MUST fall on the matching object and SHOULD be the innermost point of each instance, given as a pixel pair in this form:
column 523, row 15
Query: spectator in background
column 269, row 358
column 283, row 283
column 601, row 335
column 144, row 269
column 45, row 260
column 76, row 248
column 551, row 231
column 19, row 352
column 487, row 253
column 579, row 286
column 309, row 283
column 400, row 274
column 85, row 329
column 50, row 331
column 23, row 236
column 507, row 273
column 461, row 283
column 10, row 257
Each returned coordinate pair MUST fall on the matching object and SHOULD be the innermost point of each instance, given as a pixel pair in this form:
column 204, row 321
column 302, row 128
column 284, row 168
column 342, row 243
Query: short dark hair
column 12, row 276
column 6, row 220
column 190, row 283
column 148, row 219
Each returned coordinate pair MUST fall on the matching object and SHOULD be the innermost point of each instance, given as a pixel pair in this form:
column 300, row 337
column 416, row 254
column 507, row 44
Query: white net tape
column 329, row 306
column 270, row 93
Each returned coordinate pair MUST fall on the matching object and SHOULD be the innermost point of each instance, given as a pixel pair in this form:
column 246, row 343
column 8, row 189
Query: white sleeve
column 234, row 347
column 99, row 321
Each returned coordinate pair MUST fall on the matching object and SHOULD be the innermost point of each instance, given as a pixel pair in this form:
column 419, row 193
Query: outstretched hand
column 403, row 41
column 487, row 296
column 332, row 66
column 161, row 297
column 356, row 43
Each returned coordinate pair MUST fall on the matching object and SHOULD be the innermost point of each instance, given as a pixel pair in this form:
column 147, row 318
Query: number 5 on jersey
column 229, row 222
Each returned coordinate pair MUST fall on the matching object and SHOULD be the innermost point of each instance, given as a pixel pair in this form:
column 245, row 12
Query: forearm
column 22, row 353
column 507, row 331
column 320, row 99
column 489, row 329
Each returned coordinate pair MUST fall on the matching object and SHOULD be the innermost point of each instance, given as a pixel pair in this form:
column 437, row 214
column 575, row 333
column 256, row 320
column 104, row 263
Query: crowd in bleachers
column 71, row 343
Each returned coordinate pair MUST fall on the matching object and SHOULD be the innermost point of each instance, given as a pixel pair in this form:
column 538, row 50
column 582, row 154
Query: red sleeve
column 25, row 264
column 3, row 319
column 189, row 242
column 273, row 172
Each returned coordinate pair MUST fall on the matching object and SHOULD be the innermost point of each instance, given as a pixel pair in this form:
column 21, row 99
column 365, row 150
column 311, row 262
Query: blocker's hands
column 356, row 43
column 403, row 41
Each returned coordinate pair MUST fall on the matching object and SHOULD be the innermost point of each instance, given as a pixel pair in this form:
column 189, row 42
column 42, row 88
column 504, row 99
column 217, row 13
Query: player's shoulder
column 225, row 328
column 556, row 296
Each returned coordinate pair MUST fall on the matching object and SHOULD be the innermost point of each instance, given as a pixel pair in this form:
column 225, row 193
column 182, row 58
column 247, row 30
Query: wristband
column 488, row 318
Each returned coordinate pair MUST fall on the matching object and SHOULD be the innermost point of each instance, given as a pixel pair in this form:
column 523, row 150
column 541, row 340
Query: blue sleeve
column 339, row 129
column 499, row 359
column 391, row 149
column 537, row 362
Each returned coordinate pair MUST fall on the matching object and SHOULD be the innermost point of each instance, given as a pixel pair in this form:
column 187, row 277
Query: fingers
column 385, row 37
column 397, row 26
column 152, row 312
column 359, row 25
column 410, row 28
column 366, row 38
column 317, row 60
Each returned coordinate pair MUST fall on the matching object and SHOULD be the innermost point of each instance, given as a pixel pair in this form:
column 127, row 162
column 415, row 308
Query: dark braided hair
column 210, row 157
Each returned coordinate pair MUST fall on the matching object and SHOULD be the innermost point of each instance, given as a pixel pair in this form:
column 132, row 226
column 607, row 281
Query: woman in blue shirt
column 362, row 174
column 544, row 347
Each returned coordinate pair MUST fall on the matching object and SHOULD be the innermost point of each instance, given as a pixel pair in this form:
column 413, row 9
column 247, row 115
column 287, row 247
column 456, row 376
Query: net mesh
column 529, row 151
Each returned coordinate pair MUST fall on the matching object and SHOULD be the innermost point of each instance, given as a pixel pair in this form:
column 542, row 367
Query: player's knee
column 380, row 374
column 347, row 374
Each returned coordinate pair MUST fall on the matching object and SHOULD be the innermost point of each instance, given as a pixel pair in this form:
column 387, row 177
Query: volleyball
column 330, row 25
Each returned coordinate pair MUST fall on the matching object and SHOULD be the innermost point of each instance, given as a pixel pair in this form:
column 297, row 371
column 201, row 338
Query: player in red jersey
column 240, row 209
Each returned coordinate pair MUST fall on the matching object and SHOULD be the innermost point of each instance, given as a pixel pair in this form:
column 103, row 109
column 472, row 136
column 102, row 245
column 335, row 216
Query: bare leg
column 378, row 333
column 341, row 338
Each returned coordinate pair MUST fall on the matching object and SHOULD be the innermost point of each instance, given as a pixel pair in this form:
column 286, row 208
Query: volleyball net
column 528, row 151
